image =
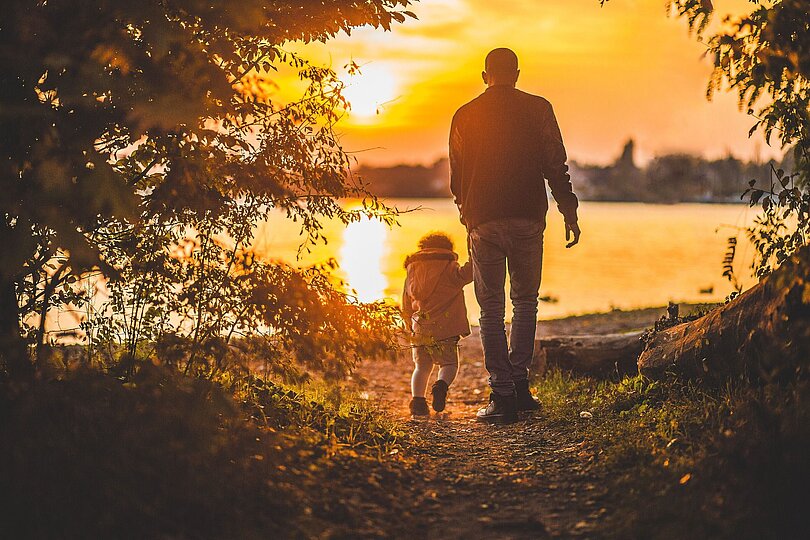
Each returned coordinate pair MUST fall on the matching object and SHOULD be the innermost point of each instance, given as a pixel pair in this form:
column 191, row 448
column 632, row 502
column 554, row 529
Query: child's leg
column 448, row 362
column 448, row 373
column 423, row 367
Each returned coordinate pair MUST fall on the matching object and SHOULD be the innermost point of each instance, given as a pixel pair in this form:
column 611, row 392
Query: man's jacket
column 502, row 144
column 433, row 298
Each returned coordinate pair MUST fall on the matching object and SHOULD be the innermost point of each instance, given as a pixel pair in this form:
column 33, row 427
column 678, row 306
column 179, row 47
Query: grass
column 338, row 417
column 692, row 461
column 164, row 455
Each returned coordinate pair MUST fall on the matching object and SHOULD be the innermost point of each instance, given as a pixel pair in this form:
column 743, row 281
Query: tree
column 127, row 122
column 765, row 58
column 675, row 178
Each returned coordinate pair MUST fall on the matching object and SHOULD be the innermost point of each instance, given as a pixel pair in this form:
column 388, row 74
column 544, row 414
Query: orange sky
column 625, row 70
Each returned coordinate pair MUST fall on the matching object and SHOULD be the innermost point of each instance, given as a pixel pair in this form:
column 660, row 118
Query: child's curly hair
column 436, row 239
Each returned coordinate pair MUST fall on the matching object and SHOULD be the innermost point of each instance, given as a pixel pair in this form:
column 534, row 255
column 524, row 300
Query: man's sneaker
column 501, row 410
column 418, row 407
column 439, row 392
column 525, row 399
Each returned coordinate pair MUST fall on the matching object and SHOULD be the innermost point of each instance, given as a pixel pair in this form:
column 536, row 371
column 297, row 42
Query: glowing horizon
column 614, row 73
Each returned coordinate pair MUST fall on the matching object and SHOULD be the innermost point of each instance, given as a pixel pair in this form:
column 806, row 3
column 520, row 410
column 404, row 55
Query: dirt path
column 533, row 479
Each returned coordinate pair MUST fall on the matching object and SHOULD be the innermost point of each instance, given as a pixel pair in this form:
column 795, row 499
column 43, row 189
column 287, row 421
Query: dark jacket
column 433, row 299
column 502, row 144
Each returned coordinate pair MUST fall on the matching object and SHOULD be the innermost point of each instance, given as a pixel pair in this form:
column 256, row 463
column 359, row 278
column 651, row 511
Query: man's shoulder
column 534, row 99
column 529, row 101
column 467, row 107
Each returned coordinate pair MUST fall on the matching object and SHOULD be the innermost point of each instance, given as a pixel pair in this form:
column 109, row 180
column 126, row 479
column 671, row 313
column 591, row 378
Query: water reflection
column 361, row 258
column 634, row 255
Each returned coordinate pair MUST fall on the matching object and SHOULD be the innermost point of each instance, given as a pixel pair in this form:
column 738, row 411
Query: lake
column 630, row 255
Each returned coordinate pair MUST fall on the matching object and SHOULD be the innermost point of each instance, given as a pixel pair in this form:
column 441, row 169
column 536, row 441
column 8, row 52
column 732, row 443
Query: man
column 502, row 144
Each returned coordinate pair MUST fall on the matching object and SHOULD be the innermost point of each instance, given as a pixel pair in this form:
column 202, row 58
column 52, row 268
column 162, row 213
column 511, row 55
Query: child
column 434, row 310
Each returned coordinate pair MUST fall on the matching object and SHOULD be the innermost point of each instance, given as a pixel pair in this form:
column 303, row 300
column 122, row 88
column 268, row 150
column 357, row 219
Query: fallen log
column 764, row 333
column 595, row 355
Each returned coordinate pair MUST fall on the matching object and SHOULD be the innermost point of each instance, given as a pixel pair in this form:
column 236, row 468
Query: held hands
column 572, row 229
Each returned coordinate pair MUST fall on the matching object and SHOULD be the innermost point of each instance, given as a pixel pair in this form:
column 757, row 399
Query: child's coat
column 433, row 299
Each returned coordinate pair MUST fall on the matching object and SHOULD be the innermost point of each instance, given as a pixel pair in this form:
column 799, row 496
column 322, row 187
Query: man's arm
column 555, row 170
column 455, row 163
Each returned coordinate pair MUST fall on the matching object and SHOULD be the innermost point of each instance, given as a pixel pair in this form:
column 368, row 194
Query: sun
column 368, row 91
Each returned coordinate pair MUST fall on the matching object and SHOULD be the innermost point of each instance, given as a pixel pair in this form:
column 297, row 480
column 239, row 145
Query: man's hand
column 572, row 229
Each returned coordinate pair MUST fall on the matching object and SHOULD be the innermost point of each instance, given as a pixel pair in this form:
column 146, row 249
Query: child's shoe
column 439, row 392
column 419, row 407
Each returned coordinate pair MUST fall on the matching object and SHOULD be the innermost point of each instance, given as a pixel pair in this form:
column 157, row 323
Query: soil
column 532, row 479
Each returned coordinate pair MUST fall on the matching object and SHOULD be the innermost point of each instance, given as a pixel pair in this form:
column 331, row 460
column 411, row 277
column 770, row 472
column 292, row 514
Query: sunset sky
column 625, row 70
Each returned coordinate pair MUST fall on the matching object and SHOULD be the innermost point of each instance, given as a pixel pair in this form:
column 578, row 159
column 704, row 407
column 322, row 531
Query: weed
column 726, row 461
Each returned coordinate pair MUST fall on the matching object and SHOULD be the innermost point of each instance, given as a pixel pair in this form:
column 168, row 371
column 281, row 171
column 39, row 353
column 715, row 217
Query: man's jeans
column 494, row 245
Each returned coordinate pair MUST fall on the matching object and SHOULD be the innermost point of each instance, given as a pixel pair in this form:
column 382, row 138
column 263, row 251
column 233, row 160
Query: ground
column 162, row 455
column 533, row 479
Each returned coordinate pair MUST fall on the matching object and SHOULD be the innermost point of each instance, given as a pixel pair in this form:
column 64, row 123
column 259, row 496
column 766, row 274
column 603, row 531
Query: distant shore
column 665, row 179
column 616, row 321
column 730, row 200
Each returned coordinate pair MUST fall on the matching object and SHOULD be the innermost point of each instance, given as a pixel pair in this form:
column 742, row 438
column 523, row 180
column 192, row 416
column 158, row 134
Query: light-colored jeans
column 515, row 244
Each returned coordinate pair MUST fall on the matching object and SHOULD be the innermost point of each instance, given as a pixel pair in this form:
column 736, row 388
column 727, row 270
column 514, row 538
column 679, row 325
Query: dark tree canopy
column 117, row 114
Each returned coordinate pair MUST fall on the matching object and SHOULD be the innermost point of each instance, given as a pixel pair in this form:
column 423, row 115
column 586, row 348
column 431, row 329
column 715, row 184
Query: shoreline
column 735, row 201
column 616, row 321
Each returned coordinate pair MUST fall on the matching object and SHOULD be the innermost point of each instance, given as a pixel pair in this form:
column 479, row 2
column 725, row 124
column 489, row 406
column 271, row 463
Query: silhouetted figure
column 434, row 310
column 502, row 144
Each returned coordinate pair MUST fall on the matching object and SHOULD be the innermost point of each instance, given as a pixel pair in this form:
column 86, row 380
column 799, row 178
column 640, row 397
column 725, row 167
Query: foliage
column 724, row 462
column 349, row 423
column 165, row 455
column 765, row 55
column 668, row 178
column 672, row 317
column 675, row 177
column 205, row 302
column 784, row 224
column 728, row 265
column 132, row 128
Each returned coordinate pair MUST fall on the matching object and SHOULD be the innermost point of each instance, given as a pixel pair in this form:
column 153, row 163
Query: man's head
column 501, row 67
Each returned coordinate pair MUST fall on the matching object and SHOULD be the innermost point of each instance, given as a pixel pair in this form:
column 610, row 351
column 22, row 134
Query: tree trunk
column 764, row 333
column 13, row 350
column 595, row 355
